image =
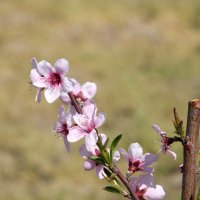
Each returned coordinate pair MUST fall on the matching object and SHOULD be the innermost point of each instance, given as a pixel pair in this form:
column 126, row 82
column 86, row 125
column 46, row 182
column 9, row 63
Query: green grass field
column 144, row 57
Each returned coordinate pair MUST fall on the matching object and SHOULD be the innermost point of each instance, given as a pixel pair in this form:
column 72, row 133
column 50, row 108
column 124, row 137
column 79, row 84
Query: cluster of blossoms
column 81, row 121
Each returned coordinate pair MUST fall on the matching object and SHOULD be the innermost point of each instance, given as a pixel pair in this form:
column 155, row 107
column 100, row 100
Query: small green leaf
column 106, row 143
column 113, row 146
column 198, row 195
column 97, row 159
column 106, row 156
column 107, row 172
column 112, row 189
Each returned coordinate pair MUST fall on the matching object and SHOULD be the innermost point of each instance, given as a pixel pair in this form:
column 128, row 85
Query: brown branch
column 75, row 103
column 191, row 150
column 125, row 182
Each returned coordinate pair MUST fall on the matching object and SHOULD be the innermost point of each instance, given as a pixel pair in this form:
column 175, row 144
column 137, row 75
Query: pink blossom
column 44, row 76
column 65, row 121
column 136, row 160
column 94, row 151
column 81, row 93
column 165, row 141
column 86, row 124
column 144, row 188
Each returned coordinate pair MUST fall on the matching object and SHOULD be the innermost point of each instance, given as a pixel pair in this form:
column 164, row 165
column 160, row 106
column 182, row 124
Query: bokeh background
column 143, row 55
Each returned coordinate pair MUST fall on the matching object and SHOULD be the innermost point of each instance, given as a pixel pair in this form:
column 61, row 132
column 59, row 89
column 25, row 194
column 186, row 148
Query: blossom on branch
column 86, row 125
column 94, row 151
column 165, row 141
column 144, row 188
column 52, row 79
column 65, row 121
column 81, row 93
column 136, row 160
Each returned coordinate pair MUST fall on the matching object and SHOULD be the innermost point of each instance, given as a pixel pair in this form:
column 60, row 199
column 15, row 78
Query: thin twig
column 191, row 150
column 125, row 182
column 75, row 103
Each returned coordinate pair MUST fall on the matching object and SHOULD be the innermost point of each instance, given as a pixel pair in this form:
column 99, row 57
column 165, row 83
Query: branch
column 75, row 103
column 190, row 151
column 125, row 182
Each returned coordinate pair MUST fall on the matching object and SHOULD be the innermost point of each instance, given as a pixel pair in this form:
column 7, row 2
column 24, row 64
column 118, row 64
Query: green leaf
column 107, row 172
column 105, row 156
column 106, row 143
column 112, row 189
column 198, row 195
column 97, row 159
column 113, row 146
column 178, row 124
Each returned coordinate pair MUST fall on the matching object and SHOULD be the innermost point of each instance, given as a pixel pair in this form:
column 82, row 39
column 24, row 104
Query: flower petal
column 67, row 85
column 39, row 95
column 44, row 68
column 61, row 114
column 66, row 142
column 84, row 152
column 51, row 94
column 154, row 193
column 149, row 159
column 116, row 156
column 100, row 172
column 124, row 153
column 100, row 119
column 34, row 63
column 91, row 140
column 89, row 90
column 90, row 109
column 158, row 130
column 173, row 154
column 89, row 165
column 62, row 66
column 36, row 79
column 75, row 134
column 135, row 151
column 82, row 121
column 64, row 97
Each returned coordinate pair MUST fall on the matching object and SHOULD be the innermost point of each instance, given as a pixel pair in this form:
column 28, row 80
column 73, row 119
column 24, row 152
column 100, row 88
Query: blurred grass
column 144, row 57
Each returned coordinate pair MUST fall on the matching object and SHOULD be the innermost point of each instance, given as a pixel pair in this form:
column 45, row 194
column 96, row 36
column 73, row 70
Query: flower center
column 54, row 79
column 134, row 166
column 62, row 129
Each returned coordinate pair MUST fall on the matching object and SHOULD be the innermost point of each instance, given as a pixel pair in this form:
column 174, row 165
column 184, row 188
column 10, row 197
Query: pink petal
column 61, row 114
column 82, row 121
column 76, row 86
column 34, row 63
column 173, row 154
column 51, row 94
column 158, row 130
column 154, row 193
column 84, row 152
column 67, row 85
column 44, row 68
column 65, row 97
column 116, row 156
column 149, row 158
column 75, row 134
column 135, row 151
column 100, row 172
column 100, row 119
column 38, row 95
column 89, row 90
column 124, row 153
column 62, row 66
column 89, row 109
column 91, row 141
column 103, row 138
column 89, row 164
column 66, row 142
column 36, row 79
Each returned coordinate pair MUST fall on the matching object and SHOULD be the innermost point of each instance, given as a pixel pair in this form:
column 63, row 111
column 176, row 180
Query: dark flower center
column 54, row 79
column 134, row 166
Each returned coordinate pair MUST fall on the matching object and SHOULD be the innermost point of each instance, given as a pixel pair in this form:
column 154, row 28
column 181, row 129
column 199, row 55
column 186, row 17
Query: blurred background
column 144, row 57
